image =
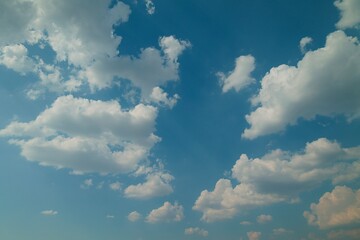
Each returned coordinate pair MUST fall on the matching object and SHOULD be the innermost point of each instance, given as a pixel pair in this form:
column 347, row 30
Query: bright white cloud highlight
column 254, row 235
column 278, row 177
column 240, row 77
column 349, row 12
column 264, row 218
column 336, row 208
column 196, row 231
column 87, row 135
column 134, row 216
column 15, row 57
column 166, row 213
column 304, row 42
column 49, row 212
column 159, row 96
column 291, row 92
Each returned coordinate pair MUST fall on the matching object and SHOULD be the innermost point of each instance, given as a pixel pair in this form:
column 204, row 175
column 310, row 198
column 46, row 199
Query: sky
column 181, row 119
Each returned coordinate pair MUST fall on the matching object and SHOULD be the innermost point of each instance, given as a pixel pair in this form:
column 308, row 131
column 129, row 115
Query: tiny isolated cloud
column 196, row 231
column 150, row 7
column 49, row 212
column 245, row 223
column 264, row 218
column 166, row 213
column 349, row 12
column 134, row 216
column 115, row 186
column 87, row 183
column 254, row 235
column 109, row 216
column 160, row 97
column 240, row 77
column 304, row 42
column 337, row 208
column 278, row 176
column 281, row 231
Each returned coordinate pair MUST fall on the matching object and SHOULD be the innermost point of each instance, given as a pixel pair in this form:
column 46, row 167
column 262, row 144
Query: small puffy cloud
column 291, row 92
column 304, row 42
column 337, row 208
column 134, row 216
column 150, row 7
column 166, row 213
column 254, row 235
column 196, row 231
column 278, row 176
column 86, row 135
column 49, row 212
column 281, row 231
column 159, row 96
column 115, row 186
column 87, row 183
column 173, row 47
column 15, row 57
column 240, row 77
column 110, row 216
column 349, row 12
column 264, row 218
column 351, row 234
column 157, row 184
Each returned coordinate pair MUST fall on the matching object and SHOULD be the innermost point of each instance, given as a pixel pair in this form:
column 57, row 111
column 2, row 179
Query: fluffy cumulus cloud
column 86, row 135
column 254, row 235
column 337, row 208
column 264, row 218
column 304, row 42
column 278, row 176
column 115, row 186
column 350, row 13
column 49, row 212
column 134, row 216
column 240, row 77
column 87, row 183
column 160, row 97
column 166, row 213
column 291, row 92
column 196, row 231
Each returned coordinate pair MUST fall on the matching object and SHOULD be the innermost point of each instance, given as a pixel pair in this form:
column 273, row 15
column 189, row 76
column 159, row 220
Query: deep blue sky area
column 181, row 119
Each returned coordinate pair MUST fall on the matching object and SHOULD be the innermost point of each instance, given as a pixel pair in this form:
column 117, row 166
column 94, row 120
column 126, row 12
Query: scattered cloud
column 278, row 176
column 196, row 231
column 281, row 231
column 150, row 7
column 344, row 234
column 349, row 12
column 264, row 218
column 87, row 135
column 134, row 216
column 87, row 183
column 49, row 212
column 304, row 42
column 110, row 216
column 166, row 213
column 245, row 223
column 254, row 235
column 337, row 208
column 115, row 186
column 291, row 92
column 159, row 96
column 240, row 77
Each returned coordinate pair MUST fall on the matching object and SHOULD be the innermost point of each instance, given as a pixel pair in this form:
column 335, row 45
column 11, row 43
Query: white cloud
column 87, row 183
column 87, row 135
column 49, row 212
column 277, row 177
column 350, row 13
column 281, row 231
column 337, row 208
column 291, row 92
column 110, row 216
column 115, row 186
column 304, row 42
column 254, row 235
column 344, row 234
column 264, row 218
column 196, row 231
column 150, row 7
column 159, row 96
column 15, row 57
column 240, row 77
column 245, row 223
column 157, row 184
column 134, row 216
column 166, row 213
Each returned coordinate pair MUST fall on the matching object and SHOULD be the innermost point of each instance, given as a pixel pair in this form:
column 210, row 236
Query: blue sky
column 181, row 119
